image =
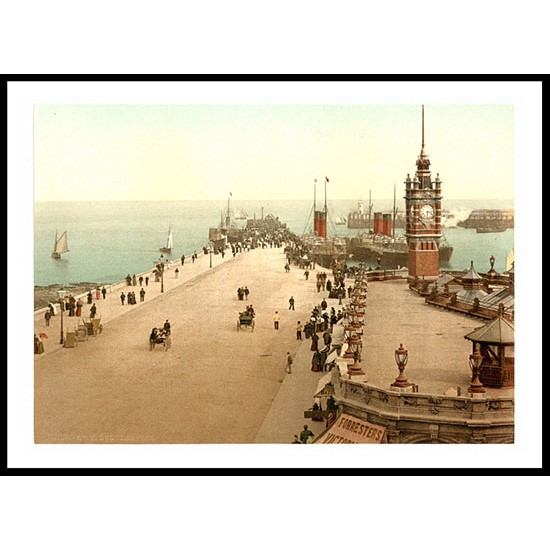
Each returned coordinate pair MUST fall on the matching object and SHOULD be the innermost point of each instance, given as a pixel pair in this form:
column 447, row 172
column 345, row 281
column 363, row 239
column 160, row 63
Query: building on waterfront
column 485, row 296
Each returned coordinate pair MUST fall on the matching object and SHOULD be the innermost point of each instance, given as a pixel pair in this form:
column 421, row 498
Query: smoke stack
column 386, row 225
column 377, row 228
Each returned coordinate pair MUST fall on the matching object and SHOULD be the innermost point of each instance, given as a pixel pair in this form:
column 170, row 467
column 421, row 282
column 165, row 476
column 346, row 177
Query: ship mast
column 326, row 210
column 394, row 213
column 370, row 208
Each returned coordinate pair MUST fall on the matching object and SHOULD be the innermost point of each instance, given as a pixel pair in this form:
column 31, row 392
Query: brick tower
column 423, row 207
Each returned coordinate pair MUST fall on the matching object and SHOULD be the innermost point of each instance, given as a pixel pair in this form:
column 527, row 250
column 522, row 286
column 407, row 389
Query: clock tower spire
column 423, row 207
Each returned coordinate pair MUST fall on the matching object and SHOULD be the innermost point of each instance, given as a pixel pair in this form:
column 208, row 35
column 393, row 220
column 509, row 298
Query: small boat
column 60, row 246
column 340, row 221
column 510, row 260
column 168, row 247
column 490, row 229
column 240, row 214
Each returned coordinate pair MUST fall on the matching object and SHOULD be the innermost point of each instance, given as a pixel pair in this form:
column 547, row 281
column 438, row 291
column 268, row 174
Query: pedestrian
column 324, row 304
column 182, row 258
column 194, row 256
column 177, row 272
column 72, row 305
column 288, row 362
column 104, row 292
column 122, row 297
column 146, row 281
column 47, row 317
column 291, row 302
column 246, row 292
column 79, row 305
column 152, row 338
column 89, row 296
column 141, row 294
column 299, row 329
column 167, row 327
column 306, row 434
column 318, row 285
column 93, row 311
column 140, row 280
column 97, row 293
column 314, row 339
column 276, row 319
column 306, row 274
column 134, row 282
column 287, row 268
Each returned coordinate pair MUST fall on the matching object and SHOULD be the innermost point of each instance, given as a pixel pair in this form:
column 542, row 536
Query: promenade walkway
column 217, row 384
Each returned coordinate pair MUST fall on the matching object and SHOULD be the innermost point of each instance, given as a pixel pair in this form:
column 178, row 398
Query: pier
column 219, row 385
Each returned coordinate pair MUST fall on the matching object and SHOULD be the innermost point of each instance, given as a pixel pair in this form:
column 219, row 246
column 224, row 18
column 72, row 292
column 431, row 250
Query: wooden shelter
column 496, row 345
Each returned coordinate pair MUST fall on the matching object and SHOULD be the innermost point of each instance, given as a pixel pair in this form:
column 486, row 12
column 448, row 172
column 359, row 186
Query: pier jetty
column 217, row 384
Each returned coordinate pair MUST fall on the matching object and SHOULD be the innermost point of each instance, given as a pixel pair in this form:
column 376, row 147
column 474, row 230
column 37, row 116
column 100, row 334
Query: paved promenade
column 217, row 384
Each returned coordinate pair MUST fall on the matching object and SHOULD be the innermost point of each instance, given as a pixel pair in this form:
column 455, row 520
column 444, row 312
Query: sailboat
column 60, row 246
column 168, row 247
column 510, row 260
column 340, row 221
column 240, row 214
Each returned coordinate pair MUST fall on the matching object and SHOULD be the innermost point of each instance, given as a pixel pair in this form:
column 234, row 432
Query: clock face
column 427, row 212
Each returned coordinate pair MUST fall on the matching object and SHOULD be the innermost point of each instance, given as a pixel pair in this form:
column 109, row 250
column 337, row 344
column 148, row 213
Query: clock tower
column 423, row 208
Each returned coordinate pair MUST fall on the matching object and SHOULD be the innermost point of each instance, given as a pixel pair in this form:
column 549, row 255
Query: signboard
column 348, row 429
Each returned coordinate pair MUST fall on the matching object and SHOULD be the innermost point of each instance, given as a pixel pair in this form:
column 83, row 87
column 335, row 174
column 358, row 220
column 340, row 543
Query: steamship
column 324, row 250
column 389, row 252
column 382, row 248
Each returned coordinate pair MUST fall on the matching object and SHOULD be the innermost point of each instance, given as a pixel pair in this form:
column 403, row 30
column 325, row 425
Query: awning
column 348, row 429
column 324, row 386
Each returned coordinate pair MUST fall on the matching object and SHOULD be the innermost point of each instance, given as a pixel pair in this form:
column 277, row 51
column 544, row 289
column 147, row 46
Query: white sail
column 510, row 260
column 61, row 244
column 169, row 242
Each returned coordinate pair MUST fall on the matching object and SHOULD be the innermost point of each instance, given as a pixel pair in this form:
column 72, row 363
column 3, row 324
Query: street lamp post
column 475, row 363
column 61, row 293
column 401, row 358
column 210, row 250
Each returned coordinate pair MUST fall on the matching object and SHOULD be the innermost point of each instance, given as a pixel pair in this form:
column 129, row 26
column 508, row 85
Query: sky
column 190, row 151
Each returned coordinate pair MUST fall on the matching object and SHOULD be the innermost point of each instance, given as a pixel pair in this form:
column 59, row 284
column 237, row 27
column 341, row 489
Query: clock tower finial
column 422, row 128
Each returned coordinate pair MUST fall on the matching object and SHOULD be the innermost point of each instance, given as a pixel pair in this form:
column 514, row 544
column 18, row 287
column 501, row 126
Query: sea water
column 109, row 240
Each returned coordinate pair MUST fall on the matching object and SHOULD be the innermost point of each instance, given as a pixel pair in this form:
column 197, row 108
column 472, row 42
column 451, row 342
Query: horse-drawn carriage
column 246, row 319
column 159, row 336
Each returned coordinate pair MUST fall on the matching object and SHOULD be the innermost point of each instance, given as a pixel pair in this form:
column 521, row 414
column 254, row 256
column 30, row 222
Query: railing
column 422, row 407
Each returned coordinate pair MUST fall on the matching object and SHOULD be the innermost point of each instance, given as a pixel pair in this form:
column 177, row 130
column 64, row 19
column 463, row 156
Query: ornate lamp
column 61, row 293
column 355, row 369
column 348, row 354
column 401, row 358
column 356, row 344
column 475, row 364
